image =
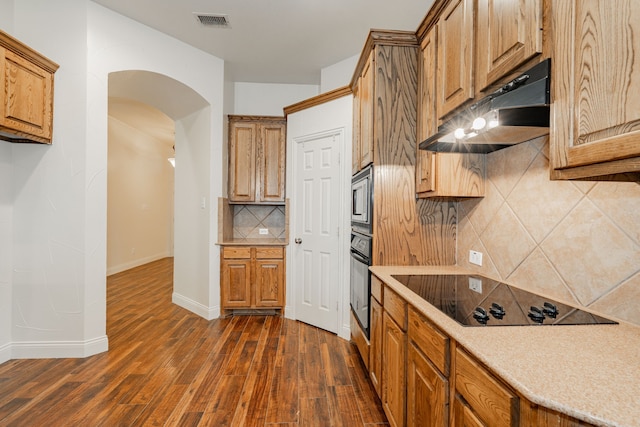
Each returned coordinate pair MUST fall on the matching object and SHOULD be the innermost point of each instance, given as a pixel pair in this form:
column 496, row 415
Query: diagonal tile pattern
column 577, row 242
column 249, row 219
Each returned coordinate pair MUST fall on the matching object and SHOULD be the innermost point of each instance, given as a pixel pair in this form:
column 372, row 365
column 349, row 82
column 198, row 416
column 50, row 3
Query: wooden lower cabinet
column 375, row 348
column 393, row 372
column 490, row 400
column 424, row 378
column 252, row 277
column 463, row 416
column 427, row 392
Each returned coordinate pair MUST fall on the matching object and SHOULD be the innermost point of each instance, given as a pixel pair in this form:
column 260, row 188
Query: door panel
column 317, row 225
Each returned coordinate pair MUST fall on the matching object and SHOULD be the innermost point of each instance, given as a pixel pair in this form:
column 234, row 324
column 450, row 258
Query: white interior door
column 317, row 234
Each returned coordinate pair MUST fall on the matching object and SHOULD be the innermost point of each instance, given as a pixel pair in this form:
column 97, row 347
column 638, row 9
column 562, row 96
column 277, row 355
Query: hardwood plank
column 167, row 366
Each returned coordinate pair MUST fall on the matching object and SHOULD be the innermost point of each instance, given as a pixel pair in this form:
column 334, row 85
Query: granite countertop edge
column 589, row 376
column 253, row 242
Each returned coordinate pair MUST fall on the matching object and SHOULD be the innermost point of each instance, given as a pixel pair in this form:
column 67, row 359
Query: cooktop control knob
column 497, row 310
column 536, row 314
column 481, row 315
column 550, row 310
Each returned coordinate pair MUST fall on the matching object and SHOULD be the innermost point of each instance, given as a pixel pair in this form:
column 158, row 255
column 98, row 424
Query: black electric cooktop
column 479, row 301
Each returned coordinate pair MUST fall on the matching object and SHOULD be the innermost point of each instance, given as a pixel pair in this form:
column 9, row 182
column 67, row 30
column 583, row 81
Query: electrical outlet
column 475, row 284
column 475, row 257
column 263, row 231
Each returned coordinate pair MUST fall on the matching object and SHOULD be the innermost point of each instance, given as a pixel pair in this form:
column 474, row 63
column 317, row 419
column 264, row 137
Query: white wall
column 261, row 99
column 55, row 217
column 338, row 75
column 6, row 249
column 57, row 311
column 136, row 47
column 336, row 114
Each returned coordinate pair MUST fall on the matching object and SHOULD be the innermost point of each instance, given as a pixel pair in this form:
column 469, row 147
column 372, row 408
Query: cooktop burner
column 479, row 301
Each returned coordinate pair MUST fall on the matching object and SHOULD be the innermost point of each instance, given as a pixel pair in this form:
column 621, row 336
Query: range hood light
column 479, row 123
column 515, row 113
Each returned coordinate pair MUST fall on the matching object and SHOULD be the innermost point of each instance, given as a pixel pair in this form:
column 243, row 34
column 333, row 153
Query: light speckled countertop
column 253, row 242
column 590, row 372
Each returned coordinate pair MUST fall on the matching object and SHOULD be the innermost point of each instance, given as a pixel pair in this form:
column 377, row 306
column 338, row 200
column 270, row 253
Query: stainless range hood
column 515, row 113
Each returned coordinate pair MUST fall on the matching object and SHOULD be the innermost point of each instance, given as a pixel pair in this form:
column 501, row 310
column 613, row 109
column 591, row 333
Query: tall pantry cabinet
column 406, row 231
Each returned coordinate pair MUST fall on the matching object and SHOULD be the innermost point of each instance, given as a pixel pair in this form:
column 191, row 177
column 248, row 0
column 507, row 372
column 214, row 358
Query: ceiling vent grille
column 212, row 20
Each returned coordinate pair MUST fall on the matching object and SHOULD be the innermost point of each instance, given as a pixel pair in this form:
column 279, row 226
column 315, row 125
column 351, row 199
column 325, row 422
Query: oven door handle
column 359, row 257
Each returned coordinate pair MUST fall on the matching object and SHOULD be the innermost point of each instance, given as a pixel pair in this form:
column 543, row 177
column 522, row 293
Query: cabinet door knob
column 298, row 240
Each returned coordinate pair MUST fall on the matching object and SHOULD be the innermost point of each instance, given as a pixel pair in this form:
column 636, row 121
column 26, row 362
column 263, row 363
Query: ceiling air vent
column 213, row 20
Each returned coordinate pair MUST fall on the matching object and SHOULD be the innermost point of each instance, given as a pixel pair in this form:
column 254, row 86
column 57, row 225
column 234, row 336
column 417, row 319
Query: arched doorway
column 192, row 201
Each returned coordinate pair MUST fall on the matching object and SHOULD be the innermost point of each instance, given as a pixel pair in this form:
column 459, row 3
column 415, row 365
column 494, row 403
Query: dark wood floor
column 167, row 366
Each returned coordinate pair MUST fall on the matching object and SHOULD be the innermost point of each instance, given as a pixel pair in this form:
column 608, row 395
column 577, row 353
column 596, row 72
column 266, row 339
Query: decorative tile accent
column 552, row 202
column 622, row 302
column 506, row 167
column 507, row 241
column 249, row 219
column 591, row 253
column 482, row 211
column 571, row 240
column 620, row 202
column 541, row 278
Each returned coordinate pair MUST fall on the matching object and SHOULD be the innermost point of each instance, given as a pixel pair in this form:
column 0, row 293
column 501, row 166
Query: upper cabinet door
column 242, row 155
column 456, row 43
column 366, row 92
column 427, row 120
column 509, row 33
column 595, row 85
column 271, row 158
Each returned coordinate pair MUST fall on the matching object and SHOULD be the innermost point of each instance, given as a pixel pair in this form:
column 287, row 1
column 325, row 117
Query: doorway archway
column 192, row 184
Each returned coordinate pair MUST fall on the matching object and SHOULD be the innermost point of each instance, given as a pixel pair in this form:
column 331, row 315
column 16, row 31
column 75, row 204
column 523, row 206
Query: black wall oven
column 361, row 278
column 361, row 245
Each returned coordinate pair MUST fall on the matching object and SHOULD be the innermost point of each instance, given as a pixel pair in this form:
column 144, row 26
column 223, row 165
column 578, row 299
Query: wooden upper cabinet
column 271, row 157
column 257, row 159
column 362, row 149
column 440, row 174
column 26, row 93
column 456, row 41
column 595, row 85
column 509, row 33
column 427, row 120
column 355, row 135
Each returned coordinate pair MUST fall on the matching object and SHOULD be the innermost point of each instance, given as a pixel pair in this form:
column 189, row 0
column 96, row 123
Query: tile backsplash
column 249, row 219
column 577, row 241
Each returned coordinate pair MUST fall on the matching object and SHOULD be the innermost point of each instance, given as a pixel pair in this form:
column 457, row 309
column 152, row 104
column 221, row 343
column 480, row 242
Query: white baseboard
column 57, row 349
column 345, row 332
column 5, row 353
column 136, row 263
column 195, row 307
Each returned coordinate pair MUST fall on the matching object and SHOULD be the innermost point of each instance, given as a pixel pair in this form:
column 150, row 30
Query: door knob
column 298, row 240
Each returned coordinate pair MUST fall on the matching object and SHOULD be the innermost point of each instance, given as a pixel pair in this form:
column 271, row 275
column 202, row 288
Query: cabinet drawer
column 376, row 288
column 492, row 401
column 396, row 307
column 429, row 340
column 269, row 253
column 236, row 252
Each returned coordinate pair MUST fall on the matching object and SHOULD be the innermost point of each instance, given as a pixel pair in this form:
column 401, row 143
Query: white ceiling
column 276, row 41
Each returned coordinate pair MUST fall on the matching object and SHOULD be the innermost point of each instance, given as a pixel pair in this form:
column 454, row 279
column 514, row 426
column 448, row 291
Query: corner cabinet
column 257, row 148
column 596, row 111
column 252, row 277
column 26, row 93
